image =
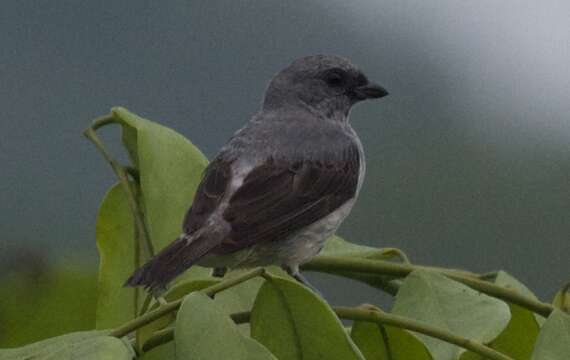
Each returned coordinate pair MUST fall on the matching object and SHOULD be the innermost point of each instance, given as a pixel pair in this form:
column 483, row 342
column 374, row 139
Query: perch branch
column 174, row 305
column 363, row 313
column 336, row 265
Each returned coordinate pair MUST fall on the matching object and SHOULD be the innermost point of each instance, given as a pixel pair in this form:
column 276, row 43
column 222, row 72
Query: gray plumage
column 282, row 184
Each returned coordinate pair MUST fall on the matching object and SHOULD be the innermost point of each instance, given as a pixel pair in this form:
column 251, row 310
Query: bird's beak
column 370, row 91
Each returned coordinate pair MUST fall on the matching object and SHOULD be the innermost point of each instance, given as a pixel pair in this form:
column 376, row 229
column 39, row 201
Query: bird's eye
column 334, row 78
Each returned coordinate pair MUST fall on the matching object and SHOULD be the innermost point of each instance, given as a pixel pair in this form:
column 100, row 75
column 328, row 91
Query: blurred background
column 468, row 158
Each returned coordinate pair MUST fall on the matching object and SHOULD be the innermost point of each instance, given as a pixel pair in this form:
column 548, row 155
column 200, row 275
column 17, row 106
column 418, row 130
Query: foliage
column 434, row 299
column 199, row 312
column 88, row 345
column 37, row 305
column 438, row 314
column 294, row 323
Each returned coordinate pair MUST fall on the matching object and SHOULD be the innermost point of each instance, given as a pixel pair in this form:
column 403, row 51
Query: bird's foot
column 161, row 300
column 219, row 271
column 296, row 274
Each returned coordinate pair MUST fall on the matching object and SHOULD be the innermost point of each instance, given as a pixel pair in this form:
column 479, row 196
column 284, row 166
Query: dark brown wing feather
column 278, row 197
column 208, row 195
column 281, row 196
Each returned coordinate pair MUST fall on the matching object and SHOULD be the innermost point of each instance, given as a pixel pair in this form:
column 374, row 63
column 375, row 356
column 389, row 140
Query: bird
column 282, row 184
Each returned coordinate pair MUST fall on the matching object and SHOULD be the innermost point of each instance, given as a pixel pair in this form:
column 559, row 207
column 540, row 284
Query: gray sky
column 467, row 159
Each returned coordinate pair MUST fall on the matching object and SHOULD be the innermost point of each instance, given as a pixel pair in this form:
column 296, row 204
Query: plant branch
column 336, row 265
column 125, row 183
column 363, row 313
column 375, row 315
column 158, row 338
column 122, row 173
column 102, row 121
column 174, row 305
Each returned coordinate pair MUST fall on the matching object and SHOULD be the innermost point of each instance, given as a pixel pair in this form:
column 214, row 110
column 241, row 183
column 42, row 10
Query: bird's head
column 326, row 83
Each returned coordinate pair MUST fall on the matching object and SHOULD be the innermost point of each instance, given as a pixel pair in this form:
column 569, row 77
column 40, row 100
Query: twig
column 369, row 314
column 174, row 305
column 338, row 265
column 122, row 173
column 377, row 316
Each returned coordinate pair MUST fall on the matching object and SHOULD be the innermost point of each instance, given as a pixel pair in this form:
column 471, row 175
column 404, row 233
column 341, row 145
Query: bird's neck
column 327, row 111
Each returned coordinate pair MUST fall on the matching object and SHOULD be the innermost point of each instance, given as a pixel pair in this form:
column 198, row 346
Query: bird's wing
column 278, row 197
column 209, row 195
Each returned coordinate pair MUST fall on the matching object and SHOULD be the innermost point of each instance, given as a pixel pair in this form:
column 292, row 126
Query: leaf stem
column 123, row 180
column 122, row 173
column 338, row 265
column 174, row 305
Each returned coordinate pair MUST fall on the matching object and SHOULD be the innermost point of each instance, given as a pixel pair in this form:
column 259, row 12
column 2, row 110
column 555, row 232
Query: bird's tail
column 170, row 262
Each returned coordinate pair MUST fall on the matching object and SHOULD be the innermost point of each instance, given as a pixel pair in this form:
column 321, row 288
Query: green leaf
column 518, row 338
column 236, row 299
column 240, row 297
column 387, row 343
column 176, row 292
column 553, row 342
column 115, row 242
column 336, row 246
column 87, row 345
column 205, row 331
column 502, row 278
column 294, row 323
column 436, row 300
column 170, row 169
column 182, row 289
column 562, row 299
column 163, row 352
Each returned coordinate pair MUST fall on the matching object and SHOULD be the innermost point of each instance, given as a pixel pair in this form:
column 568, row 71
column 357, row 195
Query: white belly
column 309, row 242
